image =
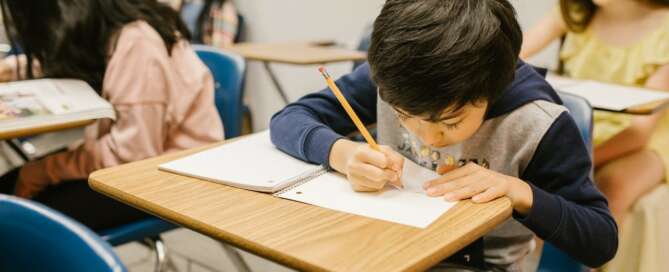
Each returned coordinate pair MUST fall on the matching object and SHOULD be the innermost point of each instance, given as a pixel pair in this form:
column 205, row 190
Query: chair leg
column 160, row 250
column 235, row 258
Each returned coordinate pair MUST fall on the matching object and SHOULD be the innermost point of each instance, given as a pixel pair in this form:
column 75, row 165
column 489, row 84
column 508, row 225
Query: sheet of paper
column 409, row 206
column 252, row 163
column 608, row 96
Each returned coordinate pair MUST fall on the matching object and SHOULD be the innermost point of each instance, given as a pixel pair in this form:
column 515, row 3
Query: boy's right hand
column 368, row 170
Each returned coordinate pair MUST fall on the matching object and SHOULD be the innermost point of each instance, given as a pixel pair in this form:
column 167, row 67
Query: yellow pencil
column 347, row 107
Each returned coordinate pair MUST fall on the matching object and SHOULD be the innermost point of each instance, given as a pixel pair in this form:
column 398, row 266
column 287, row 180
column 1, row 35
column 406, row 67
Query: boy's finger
column 365, row 182
column 444, row 188
column 466, row 192
column 372, row 172
column 488, row 195
column 360, row 188
column 443, row 169
column 373, row 157
column 395, row 160
column 450, row 176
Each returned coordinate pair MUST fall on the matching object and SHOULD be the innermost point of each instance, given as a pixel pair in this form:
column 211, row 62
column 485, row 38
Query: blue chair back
column 228, row 70
column 552, row 258
column 36, row 238
column 581, row 110
column 136, row 231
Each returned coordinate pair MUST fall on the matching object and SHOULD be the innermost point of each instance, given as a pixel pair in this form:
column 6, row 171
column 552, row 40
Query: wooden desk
column 295, row 53
column 301, row 236
column 649, row 108
column 6, row 135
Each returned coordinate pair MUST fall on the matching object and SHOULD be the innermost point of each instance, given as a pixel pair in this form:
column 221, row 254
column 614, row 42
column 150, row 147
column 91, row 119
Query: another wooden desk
column 301, row 236
column 647, row 109
column 6, row 135
column 295, row 53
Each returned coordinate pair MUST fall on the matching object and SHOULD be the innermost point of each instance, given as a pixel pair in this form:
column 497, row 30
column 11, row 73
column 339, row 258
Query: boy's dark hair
column 430, row 55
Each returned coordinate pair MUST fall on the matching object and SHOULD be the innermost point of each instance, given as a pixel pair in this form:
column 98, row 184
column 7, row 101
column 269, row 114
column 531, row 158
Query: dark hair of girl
column 73, row 38
column 577, row 14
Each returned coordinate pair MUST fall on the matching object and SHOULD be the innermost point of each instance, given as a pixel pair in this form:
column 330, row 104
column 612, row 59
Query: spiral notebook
column 253, row 163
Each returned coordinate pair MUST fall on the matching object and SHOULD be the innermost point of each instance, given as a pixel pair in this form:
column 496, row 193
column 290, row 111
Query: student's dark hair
column 430, row 55
column 577, row 14
column 73, row 38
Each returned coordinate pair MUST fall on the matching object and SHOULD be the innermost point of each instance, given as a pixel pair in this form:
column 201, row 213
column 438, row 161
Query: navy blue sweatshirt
column 568, row 210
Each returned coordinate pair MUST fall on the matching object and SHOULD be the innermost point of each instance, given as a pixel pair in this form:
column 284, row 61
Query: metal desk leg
column 276, row 82
column 235, row 258
column 18, row 150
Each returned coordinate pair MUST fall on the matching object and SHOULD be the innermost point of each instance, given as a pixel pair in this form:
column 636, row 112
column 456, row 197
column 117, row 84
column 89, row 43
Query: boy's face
column 454, row 126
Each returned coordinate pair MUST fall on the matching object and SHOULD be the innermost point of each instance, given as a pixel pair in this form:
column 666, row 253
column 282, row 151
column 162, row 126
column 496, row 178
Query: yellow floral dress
column 587, row 57
column 644, row 239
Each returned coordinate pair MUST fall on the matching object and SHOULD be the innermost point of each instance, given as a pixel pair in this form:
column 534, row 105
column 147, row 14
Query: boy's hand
column 368, row 170
column 481, row 185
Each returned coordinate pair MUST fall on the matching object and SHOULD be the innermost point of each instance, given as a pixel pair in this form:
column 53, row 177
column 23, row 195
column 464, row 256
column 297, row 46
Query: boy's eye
column 452, row 126
column 402, row 117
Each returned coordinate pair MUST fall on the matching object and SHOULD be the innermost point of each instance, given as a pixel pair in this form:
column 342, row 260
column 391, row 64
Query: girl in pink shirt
column 135, row 54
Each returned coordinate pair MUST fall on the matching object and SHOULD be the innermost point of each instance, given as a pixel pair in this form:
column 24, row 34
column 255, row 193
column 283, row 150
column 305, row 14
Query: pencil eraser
column 321, row 69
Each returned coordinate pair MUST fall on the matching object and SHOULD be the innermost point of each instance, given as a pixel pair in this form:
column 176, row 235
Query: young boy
column 454, row 97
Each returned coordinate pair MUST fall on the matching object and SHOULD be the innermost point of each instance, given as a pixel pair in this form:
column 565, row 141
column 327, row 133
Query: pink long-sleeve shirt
column 163, row 103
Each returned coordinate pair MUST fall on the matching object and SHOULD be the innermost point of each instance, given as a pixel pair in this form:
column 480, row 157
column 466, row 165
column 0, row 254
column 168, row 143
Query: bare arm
column 635, row 137
column 541, row 35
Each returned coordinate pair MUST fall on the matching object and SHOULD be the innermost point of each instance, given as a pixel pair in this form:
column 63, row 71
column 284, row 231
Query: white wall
column 341, row 20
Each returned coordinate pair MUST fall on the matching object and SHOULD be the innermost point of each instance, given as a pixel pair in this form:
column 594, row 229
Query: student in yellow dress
column 622, row 42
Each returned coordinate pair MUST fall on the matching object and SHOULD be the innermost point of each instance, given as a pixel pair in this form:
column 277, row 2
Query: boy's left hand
column 481, row 185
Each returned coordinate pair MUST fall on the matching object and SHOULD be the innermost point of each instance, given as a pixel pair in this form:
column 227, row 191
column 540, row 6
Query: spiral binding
column 303, row 178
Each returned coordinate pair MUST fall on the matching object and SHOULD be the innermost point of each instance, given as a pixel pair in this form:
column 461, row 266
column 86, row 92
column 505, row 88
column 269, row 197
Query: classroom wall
column 341, row 20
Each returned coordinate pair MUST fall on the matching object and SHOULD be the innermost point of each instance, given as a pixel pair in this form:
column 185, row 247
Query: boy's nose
column 430, row 136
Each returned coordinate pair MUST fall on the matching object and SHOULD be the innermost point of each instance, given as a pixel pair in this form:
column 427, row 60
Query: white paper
column 255, row 164
column 608, row 96
column 409, row 206
column 252, row 163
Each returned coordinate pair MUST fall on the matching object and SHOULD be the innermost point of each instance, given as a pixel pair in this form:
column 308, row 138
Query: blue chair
column 552, row 258
column 145, row 231
column 36, row 238
column 228, row 70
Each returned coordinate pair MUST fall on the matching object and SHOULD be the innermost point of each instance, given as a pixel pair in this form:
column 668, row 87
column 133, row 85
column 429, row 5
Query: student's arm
column 638, row 134
column 568, row 210
column 541, row 35
column 136, row 88
column 308, row 128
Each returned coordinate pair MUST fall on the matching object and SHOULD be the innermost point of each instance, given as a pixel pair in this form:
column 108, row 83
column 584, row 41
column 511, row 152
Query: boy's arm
column 568, row 210
column 308, row 128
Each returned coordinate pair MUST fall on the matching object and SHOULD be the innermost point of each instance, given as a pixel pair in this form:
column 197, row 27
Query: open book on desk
column 610, row 97
column 253, row 163
column 49, row 102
